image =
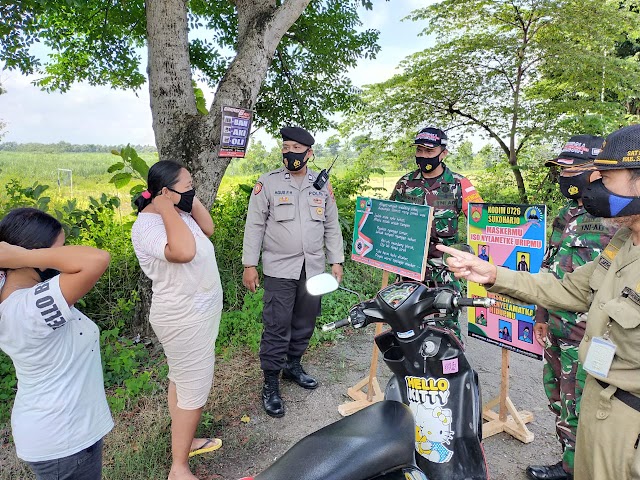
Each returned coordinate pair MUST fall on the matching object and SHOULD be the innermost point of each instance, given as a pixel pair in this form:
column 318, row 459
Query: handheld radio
column 323, row 176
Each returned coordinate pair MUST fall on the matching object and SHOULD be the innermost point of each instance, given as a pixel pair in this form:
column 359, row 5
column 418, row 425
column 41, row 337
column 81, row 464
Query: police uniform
column 449, row 194
column 608, row 288
column 295, row 227
column 292, row 225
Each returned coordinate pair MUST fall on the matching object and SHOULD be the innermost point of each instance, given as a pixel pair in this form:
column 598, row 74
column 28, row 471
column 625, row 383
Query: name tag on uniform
column 599, row 356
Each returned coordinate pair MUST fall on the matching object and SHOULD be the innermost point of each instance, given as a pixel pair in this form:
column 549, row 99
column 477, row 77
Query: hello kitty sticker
column 427, row 399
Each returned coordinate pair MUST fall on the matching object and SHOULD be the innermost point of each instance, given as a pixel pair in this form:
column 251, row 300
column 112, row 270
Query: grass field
column 90, row 176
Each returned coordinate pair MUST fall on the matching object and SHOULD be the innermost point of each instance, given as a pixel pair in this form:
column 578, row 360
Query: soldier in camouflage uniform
column 449, row 194
column 577, row 238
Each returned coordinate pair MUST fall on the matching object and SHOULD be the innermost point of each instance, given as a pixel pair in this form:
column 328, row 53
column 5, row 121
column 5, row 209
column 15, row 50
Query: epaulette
column 614, row 246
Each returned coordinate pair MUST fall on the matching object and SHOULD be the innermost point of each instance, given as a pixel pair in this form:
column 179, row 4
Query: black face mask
column 600, row 202
column 186, row 199
column 428, row 165
column 47, row 274
column 295, row 161
column 573, row 187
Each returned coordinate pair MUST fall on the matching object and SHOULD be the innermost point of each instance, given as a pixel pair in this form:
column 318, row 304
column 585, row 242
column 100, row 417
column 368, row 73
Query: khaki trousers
column 608, row 431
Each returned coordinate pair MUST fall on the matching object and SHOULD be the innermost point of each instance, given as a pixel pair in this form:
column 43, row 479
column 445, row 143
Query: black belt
column 625, row 397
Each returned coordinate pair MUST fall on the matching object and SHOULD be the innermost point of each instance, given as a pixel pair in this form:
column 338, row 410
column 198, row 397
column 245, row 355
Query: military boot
column 548, row 472
column 293, row 371
column 271, row 400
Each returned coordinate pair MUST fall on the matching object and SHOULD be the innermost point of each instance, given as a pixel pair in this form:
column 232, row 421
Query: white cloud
column 89, row 114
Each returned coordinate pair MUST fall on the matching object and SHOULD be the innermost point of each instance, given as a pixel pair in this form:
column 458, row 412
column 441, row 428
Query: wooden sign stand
column 374, row 393
column 515, row 423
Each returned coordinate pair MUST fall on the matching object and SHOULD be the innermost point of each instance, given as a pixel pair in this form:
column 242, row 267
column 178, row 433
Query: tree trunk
column 181, row 133
column 513, row 161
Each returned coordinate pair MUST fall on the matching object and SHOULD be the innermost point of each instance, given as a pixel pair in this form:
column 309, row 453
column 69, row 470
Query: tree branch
column 482, row 125
column 285, row 16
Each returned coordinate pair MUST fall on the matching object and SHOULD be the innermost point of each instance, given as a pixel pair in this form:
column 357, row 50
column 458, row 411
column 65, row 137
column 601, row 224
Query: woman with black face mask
column 608, row 288
column 171, row 240
column 60, row 414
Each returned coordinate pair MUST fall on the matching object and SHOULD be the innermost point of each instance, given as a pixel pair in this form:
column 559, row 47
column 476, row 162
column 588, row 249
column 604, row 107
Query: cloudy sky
column 101, row 115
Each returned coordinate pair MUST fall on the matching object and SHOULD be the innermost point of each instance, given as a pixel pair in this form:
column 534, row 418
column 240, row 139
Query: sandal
column 210, row 445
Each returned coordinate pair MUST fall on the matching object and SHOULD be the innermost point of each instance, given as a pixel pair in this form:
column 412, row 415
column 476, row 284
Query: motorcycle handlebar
column 474, row 302
column 335, row 325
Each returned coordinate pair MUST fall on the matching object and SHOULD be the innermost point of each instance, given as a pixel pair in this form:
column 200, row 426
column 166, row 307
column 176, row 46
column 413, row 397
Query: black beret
column 297, row 134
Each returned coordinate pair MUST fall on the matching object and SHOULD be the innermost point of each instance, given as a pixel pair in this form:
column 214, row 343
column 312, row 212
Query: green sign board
column 392, row 236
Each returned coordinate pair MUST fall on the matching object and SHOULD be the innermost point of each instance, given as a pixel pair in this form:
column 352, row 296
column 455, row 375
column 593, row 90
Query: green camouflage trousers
column 564, row 379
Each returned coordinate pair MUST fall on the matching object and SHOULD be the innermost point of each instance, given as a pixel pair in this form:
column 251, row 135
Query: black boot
column 271, row 400
column 548, row 472
column 293, row 371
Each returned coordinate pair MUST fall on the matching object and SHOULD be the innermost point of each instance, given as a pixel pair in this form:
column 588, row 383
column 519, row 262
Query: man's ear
column 595, row 175
column 309, row 153
column 445, row 152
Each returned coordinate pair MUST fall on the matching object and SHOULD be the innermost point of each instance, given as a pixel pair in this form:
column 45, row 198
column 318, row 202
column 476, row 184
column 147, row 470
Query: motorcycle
column 429, row 427
column 431, row 373
column 375, row 443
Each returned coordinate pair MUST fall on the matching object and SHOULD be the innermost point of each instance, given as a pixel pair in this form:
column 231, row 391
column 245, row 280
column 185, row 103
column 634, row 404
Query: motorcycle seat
column 376, row 439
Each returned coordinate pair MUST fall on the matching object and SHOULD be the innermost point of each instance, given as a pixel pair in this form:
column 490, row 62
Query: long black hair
column 29, row 228
column 162, row 174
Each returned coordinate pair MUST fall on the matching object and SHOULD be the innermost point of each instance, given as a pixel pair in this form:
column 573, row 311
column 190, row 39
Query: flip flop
column 209, row 446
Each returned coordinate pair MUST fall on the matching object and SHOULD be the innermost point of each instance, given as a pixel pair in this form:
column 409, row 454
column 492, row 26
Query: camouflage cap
column 620, row 150
column 578, row 151
column 431, row 137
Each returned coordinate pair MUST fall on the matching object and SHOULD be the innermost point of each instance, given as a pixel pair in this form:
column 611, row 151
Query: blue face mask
column 601, row 202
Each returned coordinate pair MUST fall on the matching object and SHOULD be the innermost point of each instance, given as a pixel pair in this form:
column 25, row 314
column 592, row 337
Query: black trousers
column 289, row 318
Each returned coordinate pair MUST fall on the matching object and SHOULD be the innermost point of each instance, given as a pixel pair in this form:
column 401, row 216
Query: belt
column 625, row 397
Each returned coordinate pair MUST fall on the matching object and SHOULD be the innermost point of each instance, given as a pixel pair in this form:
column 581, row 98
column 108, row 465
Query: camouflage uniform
column 449, row 195
column 577, row 238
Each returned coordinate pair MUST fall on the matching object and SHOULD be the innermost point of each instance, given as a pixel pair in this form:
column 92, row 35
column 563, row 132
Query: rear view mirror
column 321, row 284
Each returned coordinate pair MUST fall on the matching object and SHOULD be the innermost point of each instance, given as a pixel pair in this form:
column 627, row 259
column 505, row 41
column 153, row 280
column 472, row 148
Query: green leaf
column 115, row 167
column 120, row 179
column 139, row 166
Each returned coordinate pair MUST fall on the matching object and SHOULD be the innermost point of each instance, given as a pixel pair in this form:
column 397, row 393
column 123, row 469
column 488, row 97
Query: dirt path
column 251, row 447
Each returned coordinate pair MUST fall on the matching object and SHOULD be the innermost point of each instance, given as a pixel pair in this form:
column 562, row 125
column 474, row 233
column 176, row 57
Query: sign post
column 392, row 236
column 514, row 237
column 235, row 129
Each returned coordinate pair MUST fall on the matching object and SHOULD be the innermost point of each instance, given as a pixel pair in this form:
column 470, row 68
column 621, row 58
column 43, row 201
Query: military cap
column 620, row 150
column 431, row 137
column 297, row 134
column 579, row 150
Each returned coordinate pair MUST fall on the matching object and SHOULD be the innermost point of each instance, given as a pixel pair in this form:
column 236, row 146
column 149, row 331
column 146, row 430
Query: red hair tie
column 146, row 194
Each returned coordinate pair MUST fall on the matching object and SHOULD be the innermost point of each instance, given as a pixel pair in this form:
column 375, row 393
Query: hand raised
column 163, row 202
column 8, row 254
column 468, row 266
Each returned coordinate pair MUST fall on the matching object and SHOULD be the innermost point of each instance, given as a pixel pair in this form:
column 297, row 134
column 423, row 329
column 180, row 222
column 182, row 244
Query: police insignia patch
column 258, row 188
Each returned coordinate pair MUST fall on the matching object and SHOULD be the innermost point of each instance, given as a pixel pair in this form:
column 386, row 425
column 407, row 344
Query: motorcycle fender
column 394, row 391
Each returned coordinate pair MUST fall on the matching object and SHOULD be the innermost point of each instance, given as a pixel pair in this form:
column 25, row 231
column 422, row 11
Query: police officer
column 294, row 225
column 449, row 193
column 609, row 289
column 577, row 238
